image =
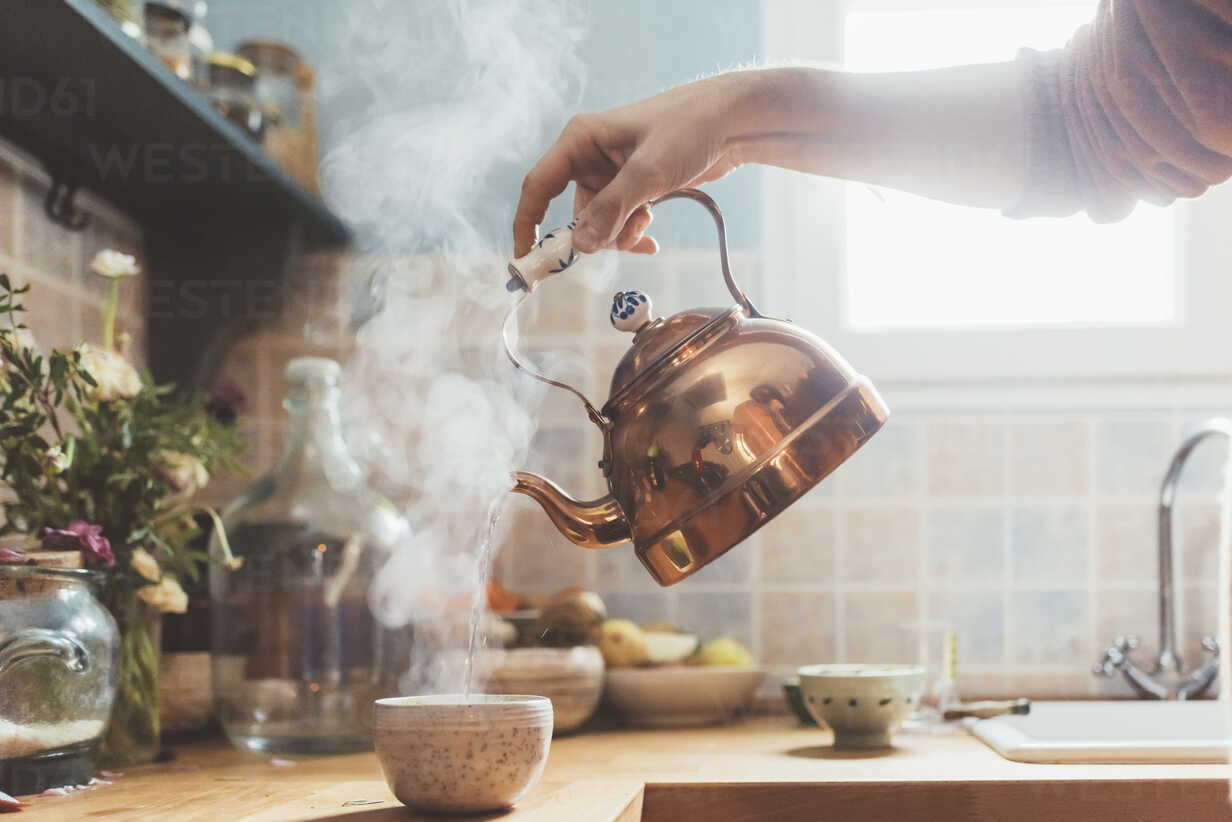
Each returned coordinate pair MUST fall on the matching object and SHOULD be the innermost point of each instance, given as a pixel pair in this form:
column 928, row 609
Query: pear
column 622, row 644
column 723, row 651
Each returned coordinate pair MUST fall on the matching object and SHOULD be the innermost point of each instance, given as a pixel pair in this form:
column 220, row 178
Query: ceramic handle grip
column 551, row 255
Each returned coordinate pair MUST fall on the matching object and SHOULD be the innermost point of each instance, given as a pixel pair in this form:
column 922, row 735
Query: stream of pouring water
column 478, row 639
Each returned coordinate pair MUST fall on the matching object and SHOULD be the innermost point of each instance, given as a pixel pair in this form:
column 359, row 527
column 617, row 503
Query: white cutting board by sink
column 1122, row 731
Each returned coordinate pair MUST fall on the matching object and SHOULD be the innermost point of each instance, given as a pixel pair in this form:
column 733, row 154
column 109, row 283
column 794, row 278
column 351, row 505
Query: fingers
column 635, row 227
column 636, row 184
column 548, row 178
column 646, row 245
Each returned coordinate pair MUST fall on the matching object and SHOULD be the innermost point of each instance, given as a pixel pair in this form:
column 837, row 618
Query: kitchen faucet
column 1168, row 679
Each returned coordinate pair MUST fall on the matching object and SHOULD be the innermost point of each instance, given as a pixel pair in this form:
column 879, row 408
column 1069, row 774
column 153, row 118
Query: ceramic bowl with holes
column 862, row 704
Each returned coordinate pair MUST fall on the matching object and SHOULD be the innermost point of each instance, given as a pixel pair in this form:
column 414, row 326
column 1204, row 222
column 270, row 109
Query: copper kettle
column 717, row 420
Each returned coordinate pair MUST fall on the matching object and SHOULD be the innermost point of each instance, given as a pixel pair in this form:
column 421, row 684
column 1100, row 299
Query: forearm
column 954, row 134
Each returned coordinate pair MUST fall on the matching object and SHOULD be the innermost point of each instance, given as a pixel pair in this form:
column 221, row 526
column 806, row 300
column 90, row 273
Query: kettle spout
column 596, row 524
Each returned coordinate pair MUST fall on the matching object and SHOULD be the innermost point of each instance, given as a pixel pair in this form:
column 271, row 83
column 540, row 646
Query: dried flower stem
column 109, row 313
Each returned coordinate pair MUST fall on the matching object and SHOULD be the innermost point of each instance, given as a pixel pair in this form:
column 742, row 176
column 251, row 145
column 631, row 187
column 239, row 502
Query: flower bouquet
column 96, row 458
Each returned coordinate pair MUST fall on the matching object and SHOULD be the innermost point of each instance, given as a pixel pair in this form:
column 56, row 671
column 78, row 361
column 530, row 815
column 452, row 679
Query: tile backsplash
column 1032, row 533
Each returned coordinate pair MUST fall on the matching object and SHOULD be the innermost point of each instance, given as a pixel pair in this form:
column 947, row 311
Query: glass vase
column 133, row 734
column 298, row 657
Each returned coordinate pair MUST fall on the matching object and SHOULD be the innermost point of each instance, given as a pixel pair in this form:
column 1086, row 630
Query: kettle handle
column 710, row 205
column 554, row 252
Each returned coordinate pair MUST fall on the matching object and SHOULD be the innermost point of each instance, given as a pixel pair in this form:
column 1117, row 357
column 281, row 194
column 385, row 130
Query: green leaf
column 59, row 367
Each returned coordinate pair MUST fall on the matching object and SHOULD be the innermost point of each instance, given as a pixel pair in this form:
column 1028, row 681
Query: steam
column 450, row 102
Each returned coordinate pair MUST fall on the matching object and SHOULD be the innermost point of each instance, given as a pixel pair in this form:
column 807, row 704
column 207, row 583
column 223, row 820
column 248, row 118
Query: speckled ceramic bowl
column 452, row 754
column 862, row 704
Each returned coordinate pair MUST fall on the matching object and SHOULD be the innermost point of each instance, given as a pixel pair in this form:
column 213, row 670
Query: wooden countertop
column 762, row 769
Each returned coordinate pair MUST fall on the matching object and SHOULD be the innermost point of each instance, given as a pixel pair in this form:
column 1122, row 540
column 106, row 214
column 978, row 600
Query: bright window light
column 916, row 263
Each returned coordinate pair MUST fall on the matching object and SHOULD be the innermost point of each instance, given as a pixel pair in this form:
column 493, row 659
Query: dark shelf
column 102, row 113
column 223, row 224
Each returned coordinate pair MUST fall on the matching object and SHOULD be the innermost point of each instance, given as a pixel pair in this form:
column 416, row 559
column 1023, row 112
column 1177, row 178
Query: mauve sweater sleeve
column 1137, row 106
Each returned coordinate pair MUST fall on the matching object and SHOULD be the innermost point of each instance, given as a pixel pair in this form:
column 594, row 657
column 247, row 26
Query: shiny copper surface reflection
column 718, row 419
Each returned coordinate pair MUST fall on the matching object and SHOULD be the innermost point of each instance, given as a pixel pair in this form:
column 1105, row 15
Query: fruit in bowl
column 666, row 678
column 723, row 651
column 667, row 648
column 576, row 619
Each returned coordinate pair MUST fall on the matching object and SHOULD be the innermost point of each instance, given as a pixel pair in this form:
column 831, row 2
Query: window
column 914, row 289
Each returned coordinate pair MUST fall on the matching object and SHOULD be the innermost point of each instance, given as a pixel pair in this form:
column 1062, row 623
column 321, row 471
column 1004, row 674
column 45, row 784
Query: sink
column 1122, row 731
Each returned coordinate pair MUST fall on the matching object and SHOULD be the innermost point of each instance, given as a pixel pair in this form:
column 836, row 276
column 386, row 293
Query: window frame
column 804, row 264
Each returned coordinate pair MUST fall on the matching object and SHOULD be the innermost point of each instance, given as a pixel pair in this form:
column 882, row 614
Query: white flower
column 55, row 460
column 183, row 472
column 115, row 376
column 25, row 339
column 167, row 596
column 145, row 564
column 114, row 265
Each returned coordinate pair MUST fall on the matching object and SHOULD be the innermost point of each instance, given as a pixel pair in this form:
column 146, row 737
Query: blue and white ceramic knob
column 630, row 310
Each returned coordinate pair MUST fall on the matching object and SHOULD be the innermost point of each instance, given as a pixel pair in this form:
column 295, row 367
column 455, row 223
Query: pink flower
column 80, row 536
column 11, row 555
column 226, row 401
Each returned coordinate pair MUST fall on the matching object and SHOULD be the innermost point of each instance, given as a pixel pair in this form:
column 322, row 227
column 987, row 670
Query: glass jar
column 232, row 91
column 297, row 656
column 284, row 92
column 58, row 673
column 166, row 37
column 277, row 86
column 125, row 12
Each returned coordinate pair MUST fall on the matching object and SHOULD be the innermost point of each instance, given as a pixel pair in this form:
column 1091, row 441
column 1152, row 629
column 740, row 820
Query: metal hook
column 59, row 207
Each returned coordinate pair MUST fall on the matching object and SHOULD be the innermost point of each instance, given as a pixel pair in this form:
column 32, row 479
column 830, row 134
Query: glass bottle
column 297, row 657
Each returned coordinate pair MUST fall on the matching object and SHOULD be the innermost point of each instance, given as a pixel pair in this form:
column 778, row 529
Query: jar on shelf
column 201, row 45
column 58, row 674
column 232, row 91
column 297, row 657
column 125, row 12
column 284, row 90
column 166, row 37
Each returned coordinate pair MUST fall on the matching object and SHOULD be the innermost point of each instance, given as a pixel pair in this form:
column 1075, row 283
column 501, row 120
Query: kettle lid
column 654, row 338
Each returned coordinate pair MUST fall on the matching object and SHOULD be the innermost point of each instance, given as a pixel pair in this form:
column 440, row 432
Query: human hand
column 623, row 158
